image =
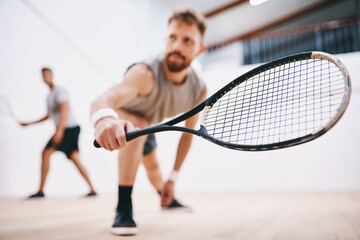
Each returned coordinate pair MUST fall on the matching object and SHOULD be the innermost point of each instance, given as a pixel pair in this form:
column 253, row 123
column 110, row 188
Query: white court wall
column 331, row 162
column 89, row 52
column 88, row 44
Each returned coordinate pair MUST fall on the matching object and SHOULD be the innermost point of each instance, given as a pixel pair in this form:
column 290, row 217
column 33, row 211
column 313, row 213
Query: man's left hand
column 167, row 193
column 57, row 138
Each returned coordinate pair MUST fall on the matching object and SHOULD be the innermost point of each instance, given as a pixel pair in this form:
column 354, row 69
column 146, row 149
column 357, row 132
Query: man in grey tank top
column 151, row 91
column 66, row 135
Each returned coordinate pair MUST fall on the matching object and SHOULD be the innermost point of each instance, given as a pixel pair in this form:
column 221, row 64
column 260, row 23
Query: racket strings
column 279, row 104
column 303, row 99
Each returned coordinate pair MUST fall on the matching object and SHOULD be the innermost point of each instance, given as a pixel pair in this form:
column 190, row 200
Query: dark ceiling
column 236, row 20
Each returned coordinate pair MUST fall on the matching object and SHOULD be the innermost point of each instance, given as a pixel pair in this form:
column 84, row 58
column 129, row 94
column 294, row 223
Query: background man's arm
column 60, row 129
column 37, row 121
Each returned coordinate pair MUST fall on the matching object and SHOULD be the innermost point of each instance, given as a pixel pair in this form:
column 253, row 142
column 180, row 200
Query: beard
column 176, row 66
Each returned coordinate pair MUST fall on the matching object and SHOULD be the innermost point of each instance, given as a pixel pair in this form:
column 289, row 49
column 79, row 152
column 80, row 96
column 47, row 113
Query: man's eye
column 188, row 40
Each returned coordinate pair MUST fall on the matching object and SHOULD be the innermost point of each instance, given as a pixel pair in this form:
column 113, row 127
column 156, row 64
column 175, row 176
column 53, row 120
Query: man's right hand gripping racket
column 283, row 103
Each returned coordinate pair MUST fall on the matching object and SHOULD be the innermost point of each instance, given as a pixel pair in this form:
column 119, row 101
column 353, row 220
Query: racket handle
column 129, row 136
column 134, row 134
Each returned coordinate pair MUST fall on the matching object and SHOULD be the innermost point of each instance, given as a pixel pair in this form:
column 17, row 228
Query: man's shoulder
column 59, row 91
column 147, row 64
column 59, row 88
column 141, row 77
column 139, row 70
column 150, row 66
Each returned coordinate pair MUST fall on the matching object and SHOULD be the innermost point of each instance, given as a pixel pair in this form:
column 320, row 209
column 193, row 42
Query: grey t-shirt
column 57, row 96
column 166, row 98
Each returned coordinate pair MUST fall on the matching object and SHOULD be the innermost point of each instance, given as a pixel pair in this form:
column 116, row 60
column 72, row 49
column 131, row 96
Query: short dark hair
column 46, row 69
column 190, row 16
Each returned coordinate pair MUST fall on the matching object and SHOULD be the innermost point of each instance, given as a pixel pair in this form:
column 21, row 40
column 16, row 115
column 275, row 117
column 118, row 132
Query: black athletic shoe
column 38, row 195
column 124, row 223
column 175, row 205
column 91, row 194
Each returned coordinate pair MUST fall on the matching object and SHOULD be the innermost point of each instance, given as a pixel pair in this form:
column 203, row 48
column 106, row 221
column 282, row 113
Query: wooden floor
column 249, row 216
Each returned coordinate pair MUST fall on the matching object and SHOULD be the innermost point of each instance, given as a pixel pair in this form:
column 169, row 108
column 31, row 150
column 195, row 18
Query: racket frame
column 206, row 105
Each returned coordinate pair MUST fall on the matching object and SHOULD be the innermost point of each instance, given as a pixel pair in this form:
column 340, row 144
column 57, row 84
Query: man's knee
column 46, row 153
column 73, row 155
column 150, row 162
column 154, row 166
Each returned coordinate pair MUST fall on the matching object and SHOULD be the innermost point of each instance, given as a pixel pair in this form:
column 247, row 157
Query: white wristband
column 102, row 113
column 173, row 175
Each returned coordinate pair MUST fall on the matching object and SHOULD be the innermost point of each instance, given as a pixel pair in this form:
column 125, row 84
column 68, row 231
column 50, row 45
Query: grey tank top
column 166, row 99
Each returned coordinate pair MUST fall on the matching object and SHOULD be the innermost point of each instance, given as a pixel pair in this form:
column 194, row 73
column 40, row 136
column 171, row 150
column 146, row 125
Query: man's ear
column 202, row 49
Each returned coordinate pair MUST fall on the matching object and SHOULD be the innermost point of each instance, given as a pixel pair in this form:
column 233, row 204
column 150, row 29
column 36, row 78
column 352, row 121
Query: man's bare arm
column 110, row 131
column 167, row 195
column 60, row 129
column 33, row 122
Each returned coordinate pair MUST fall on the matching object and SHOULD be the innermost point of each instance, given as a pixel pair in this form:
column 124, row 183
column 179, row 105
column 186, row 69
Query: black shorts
column 69, row 144
column 150, row 144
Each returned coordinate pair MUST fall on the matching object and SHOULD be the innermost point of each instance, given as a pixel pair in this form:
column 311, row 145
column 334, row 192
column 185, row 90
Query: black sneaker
column 175, row 205
column 124, row 223
column 91, row 194
column 38, row 195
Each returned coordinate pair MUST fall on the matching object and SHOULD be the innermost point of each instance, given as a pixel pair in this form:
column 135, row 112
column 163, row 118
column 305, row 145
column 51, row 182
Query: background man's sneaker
column 175, row 205
column 91, row 194
column 124, row 223
column 38, row 195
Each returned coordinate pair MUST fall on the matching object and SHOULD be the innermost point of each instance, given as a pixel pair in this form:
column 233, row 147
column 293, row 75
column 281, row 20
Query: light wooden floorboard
column 216, row 215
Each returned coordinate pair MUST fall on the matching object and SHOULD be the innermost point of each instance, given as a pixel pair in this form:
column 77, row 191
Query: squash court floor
column 215, row 215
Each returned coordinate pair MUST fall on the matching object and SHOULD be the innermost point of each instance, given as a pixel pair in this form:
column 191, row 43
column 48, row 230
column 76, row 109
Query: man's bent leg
column 74, row 156
column 152, row 167
column 129, row 158
column 45, row 165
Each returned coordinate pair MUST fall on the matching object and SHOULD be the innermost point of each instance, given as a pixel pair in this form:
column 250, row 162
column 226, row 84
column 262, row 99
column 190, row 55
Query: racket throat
column 204, row 115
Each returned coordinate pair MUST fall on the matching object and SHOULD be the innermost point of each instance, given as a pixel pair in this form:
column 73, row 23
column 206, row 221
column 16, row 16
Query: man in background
column 65, row 138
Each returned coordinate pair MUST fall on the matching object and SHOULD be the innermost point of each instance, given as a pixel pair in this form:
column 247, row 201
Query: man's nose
column 177, row 45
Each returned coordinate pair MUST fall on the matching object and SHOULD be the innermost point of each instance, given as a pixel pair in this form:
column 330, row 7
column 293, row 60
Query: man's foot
column 38, row 195
column 124, row 223
column 91, row 194
column 175, row 205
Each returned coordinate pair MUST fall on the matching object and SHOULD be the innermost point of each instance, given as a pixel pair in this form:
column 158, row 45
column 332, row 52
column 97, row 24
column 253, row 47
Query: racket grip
column 128, row 138
column 131, row 135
